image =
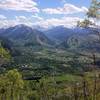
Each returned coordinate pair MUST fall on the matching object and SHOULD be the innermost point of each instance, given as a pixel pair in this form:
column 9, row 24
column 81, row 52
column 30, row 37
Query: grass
column 66, row 78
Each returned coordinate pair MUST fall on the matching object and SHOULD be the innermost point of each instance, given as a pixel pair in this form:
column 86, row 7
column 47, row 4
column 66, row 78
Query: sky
column 44, row 13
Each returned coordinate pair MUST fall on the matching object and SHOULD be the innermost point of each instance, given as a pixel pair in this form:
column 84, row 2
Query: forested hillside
column 56, row 63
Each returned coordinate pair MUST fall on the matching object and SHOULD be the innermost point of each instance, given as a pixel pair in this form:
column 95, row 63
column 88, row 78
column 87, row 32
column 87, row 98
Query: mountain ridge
column 26, row 34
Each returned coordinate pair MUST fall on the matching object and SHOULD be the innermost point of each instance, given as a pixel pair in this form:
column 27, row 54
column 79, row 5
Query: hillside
column 80, row 38
column 84, row 39
column 39, row 66
column 59, row 33
column 24, row 35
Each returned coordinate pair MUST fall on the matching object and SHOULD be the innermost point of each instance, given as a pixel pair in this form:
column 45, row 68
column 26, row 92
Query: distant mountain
column 40, row 28
column 83, row 38
column 29, row 46
column 24, row 35
column 74, row 37
column 59, row 33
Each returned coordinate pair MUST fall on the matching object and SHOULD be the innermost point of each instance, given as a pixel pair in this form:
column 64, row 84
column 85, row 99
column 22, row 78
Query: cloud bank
column 67, row 9
column 19, row 5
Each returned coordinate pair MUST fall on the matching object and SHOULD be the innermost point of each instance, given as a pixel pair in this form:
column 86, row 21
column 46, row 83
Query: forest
column 36, row 67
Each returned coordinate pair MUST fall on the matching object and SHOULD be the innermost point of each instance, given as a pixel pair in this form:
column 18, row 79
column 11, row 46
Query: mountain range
column 60, row 37
column 23, row 35
column 43, row 49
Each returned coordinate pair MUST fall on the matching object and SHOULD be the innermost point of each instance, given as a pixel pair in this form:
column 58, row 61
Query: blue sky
column 42, row 12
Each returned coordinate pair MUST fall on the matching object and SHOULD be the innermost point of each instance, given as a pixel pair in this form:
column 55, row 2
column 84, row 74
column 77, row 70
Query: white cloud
column 67, row 9
column 23, row 20
column 4, row 22
column 36, row 16
column 84, row 9
column 27, row 20
column 2, row 17
column 19, row 5
column 64, row 21
column 20, row 17
column 18, row 20
column 45, row 23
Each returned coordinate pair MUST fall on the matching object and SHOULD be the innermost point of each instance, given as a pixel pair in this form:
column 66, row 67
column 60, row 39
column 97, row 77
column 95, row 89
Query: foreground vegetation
column 65, row 87
column 39, row 73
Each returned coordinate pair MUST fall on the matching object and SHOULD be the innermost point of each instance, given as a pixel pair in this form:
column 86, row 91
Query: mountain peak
column 23, row 34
